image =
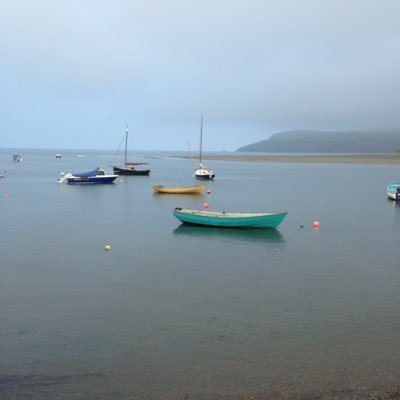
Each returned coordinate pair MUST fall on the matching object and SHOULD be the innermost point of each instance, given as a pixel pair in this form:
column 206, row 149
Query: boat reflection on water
column 271, row 236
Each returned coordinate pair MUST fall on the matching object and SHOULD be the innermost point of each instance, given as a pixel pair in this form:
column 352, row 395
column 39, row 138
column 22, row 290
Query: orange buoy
column 205, row 205
column 315, row 224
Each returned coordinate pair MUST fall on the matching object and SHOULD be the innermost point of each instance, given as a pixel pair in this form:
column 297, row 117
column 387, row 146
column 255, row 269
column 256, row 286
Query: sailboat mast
column 126, row 143
column 201, row 137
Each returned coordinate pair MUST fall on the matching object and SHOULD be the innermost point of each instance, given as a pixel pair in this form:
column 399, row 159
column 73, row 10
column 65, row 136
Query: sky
column 74, row 73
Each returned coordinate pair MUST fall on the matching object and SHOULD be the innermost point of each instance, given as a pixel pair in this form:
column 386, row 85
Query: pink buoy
column 205, row 205
column 315, row 224
column 6, row 195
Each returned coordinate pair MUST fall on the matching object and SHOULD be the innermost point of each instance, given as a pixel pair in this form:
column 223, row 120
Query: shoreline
column 325, row 158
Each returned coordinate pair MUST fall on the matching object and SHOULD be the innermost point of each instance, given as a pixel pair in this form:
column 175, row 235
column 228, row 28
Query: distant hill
column 312, row 141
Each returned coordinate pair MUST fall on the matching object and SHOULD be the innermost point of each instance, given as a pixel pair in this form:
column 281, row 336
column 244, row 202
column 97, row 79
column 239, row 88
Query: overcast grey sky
column 74, row 73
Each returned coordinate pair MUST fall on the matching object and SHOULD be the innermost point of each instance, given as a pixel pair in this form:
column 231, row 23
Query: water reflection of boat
column 272, row 236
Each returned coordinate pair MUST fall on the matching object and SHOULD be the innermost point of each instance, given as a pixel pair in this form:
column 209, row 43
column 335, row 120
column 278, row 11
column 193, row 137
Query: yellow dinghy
column 179, row 189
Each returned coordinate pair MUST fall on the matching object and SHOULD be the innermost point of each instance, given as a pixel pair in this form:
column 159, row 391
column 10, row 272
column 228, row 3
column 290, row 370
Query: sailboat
column 129, row 167
column 202, row 172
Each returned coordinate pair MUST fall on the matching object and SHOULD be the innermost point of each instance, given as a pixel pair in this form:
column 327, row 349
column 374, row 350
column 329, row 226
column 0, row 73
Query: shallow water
column 177, row 311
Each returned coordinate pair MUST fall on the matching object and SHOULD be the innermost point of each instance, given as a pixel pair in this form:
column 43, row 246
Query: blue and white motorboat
column 393, row 191
column 16, row 158
column 97, row 176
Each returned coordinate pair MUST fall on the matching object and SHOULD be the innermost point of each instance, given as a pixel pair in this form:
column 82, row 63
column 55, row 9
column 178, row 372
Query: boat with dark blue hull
column 130, row 168
column 97, row 176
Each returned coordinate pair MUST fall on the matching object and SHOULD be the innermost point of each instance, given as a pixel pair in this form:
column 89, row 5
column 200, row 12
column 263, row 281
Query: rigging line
column 300, row 225
column 201, row 137
column 116, row 151
column 191, row 158
column 190, row 155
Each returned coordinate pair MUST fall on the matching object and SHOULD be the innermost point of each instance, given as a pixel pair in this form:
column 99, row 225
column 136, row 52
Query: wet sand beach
column 392, row 158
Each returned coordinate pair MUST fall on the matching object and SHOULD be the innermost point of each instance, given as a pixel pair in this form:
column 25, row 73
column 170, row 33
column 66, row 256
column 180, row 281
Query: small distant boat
column 97, row 176
column 179, row 189
column 229, row 219
column 393, row 191
column 202, row 172
column 58, row 155
column 129, row 168
column 16, row 158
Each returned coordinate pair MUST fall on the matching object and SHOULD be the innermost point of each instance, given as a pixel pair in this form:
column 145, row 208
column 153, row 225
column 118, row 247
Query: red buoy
column 315, row 224
column 205, row 205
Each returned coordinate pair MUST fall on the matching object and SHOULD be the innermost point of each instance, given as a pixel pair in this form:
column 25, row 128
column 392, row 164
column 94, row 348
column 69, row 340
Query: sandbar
column 392, row 158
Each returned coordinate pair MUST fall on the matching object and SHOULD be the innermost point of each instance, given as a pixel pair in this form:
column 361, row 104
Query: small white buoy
column 107, row 247
column 208, row 191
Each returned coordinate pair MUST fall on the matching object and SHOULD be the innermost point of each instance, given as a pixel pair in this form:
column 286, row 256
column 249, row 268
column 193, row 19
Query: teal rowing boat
column 229, row 219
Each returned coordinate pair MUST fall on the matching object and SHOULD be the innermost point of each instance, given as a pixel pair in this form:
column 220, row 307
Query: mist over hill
column 314, row 141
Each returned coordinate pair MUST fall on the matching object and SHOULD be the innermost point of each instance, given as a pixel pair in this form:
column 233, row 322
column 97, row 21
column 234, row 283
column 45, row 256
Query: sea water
column 174, row 311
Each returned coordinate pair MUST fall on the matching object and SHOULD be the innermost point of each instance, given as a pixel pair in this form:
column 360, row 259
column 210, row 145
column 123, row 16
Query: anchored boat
column 393, row 191
column 129, row 168
column 202, row 172
column 97, row 176
column 196, row 189
column 229, row 219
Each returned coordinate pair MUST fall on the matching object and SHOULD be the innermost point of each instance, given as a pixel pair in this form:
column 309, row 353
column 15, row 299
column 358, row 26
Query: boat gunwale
column 225, row 215
column 393, row 185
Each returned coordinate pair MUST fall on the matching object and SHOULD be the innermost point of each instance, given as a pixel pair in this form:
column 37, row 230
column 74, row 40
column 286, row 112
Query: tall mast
column 201, row 136
column 126, row 142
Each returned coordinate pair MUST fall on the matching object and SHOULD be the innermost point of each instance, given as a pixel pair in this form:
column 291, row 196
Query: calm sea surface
column 184, row 312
